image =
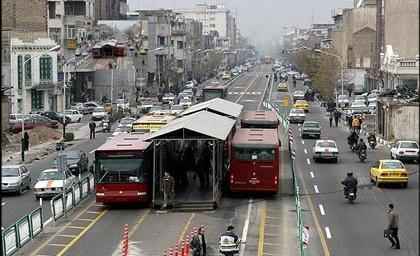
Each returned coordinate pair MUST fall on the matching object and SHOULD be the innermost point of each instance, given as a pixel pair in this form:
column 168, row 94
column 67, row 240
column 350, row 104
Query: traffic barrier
column 23, row 231
column 124, row 247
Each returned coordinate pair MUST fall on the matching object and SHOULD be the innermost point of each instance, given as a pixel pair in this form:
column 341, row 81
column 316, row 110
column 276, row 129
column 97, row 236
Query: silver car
column 52, row 182
column 15, row 178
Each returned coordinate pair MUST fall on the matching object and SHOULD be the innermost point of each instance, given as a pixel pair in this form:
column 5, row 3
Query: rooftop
column 259, row 117
column 125, row 141
column 256, row 138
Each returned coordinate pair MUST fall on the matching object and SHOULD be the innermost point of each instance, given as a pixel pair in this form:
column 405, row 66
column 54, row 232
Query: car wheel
column 36, row 197
column 79, row 120
column 335, row 160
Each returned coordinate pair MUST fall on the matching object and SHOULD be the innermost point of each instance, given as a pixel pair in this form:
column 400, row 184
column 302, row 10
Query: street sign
column 61, row 162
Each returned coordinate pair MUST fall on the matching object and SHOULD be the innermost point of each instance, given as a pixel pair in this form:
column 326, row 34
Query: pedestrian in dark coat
column 393, row 219
column 92, row 127
column 198, row 243
column 331, row 118
column 26, row 141
column 336, row 117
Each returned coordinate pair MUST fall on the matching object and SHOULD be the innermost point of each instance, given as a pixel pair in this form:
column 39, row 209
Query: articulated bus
column 123, row 170
column 259, row 119
column 255, row 161
column 214, row 91
column 152, row 123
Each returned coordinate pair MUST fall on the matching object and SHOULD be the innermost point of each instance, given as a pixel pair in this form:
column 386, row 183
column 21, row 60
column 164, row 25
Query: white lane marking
column 312, row 175
column 3, row 203
column 48, row 221
column 316, row 189
column 246, row 89
column 321, row 209
column 303, row 142
column 308, row 161
column 245, row 229
column 306, row 151
column 327, row 232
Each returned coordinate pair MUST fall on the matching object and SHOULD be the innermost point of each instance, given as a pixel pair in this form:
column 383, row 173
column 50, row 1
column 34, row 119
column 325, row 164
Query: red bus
column 255, row 161
column 259, row 119
column 123, row 170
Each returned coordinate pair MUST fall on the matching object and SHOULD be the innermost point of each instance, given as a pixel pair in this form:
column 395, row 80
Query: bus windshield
column 120, row 170
column 254, row 154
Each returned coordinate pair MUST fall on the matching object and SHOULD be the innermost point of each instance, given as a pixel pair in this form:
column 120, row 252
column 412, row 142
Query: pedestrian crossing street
column 246, row 93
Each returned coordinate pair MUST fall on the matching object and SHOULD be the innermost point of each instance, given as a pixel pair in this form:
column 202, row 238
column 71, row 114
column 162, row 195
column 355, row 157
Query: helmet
column 349, row 174
column 230, row 227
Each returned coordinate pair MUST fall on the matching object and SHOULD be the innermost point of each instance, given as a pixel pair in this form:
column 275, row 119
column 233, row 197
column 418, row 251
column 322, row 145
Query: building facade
column 34, row 76
column 111, row 9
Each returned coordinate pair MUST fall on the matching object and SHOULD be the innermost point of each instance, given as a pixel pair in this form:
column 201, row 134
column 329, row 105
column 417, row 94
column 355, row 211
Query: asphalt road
column 266, row 225
column 14, row 207
column 354, row 229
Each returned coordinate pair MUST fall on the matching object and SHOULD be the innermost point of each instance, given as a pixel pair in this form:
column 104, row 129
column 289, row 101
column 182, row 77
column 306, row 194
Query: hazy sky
column 261, row 20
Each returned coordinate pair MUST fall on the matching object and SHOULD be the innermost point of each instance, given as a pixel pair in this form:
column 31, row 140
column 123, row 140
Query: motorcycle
column 106, row 126
column 362, row 155
column 351, row 195
column 372, row 144
column 228, row 247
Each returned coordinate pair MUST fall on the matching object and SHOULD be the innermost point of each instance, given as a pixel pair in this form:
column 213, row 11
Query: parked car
column 311, row 129
column 81, row 108
column 359, row 108
column 77, row 161
column 74, row 115
column 123, row 104
column 343, row 101
column 388, row 171
column 168, row 98
column 297, row 116
column 405, row 150
column 15, row 178
column 90, row 106
column 52, row 182
column 325, row 149
column 282, row 87
column 360, row 98
column 56, row 116
column 372, row 98
column 189, row 84
column 126, row 122
column 39, row 120
column 99, row 114
column 15, row 122
column 226, row 76
column 372, row 107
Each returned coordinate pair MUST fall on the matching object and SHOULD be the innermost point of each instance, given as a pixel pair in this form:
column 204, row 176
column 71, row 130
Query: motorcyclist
column 361, row 145
column 371, row 137
column 350, row 183
column 231, row 233
column 352, row 139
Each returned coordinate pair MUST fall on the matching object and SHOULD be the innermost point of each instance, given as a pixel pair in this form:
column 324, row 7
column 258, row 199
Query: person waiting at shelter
column 168, row 189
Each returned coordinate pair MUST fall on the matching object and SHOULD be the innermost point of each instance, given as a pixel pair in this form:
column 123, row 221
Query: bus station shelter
column 218, row 106
column 202, row 127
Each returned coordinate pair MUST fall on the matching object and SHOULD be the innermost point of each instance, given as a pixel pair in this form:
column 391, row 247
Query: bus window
column 250, row 154
column 121, row 170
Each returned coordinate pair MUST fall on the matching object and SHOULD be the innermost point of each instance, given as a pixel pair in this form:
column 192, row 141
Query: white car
column 123, row 104
column 297, row 115
column 298, row 95
column 405, row 150
column 372, row 107
column 343, row 100
column 99, row 113
column 188, row 93
column 52, row 182
column 325, row 149
column 189, row 84
column 126, row 122
column 74, row 115
column 372, row 98
column 185, row 102
column 168, row 98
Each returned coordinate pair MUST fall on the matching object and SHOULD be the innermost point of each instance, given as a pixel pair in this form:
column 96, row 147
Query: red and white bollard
column 124, row 249
column 171, row 253
column 176, row 249
column 187, row 246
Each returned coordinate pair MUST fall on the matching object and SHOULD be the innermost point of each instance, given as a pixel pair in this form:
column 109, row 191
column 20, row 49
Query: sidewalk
column 37, row 152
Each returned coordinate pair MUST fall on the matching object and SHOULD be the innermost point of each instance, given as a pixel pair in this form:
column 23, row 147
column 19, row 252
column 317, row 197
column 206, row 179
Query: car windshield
column 52, row 175
column 392, row 165
column 300, row 102
column 409, row 145
column 311, row 125
column 326, row 144
column 298, row 93
column 253, row 154
column 9, row 172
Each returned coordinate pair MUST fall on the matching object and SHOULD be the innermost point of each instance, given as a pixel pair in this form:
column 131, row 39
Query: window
column 45, row 68
column 20, row 71
column 28, row 69
column 161, row 40
column 212, row 25
column 180, row 64
column 37, row 100
column 172, row 42
column 75, row 8
column 55, row 34
column 121, row 170
column 180, row 44
column 70, row 31
column 249, row 154
column 51, row 10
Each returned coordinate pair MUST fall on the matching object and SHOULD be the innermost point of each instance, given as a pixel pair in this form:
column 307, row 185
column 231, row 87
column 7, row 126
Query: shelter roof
column 218, row 106
column 203, row 123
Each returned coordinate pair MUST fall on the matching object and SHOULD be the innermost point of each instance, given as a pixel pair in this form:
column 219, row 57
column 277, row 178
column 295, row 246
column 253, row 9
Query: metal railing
column 64, row 202
column 21, row 232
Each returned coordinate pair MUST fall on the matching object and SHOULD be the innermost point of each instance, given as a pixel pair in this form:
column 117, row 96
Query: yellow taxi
column 389, row 171
column 282, row 87
column 302, row 104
